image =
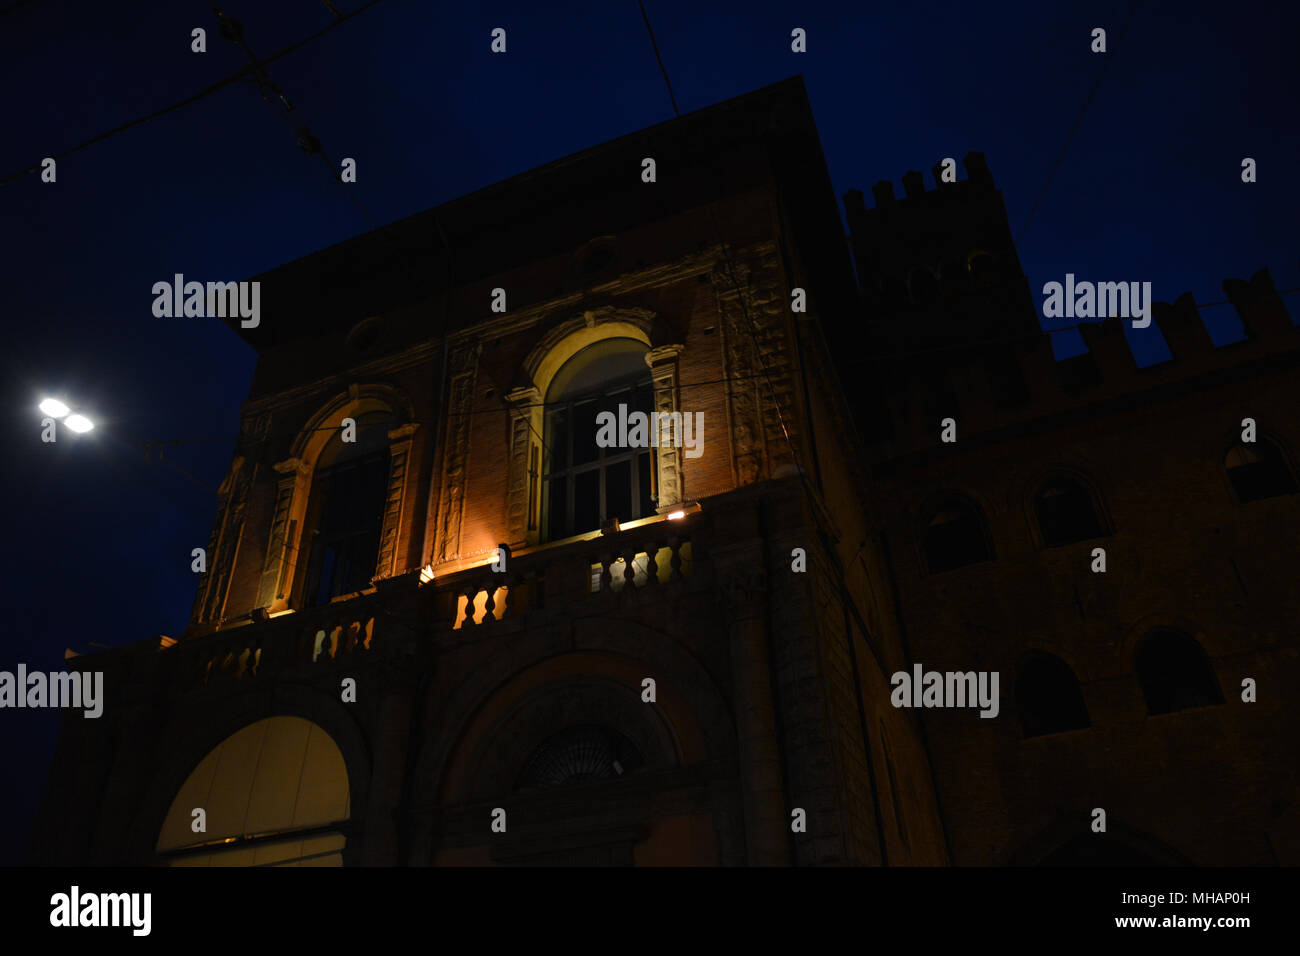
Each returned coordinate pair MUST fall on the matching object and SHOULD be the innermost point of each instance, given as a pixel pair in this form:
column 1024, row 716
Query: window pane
column 557, row 515
column 557, row 440
column 618, row 491
column 646, row 505
column 586, row 502
column 584, row 432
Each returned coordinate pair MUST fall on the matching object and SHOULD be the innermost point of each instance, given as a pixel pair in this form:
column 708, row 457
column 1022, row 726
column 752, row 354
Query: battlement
column 1014, row 382
column 938, row 266
column 915, row 196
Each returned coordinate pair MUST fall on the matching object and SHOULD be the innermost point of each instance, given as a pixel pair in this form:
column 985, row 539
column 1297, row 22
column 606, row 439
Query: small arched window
column 1048, row 697
column 589, row 753
column 955, row 536
column 1066, row 513
column 1175, row 673
column 1258, row 470
column 345, row 511
column 590, row 480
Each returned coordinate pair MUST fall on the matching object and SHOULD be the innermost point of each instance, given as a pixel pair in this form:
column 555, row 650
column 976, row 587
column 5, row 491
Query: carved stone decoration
column 399, row 454
column 522, row 495
column 460, row 403
column 757, row 363
column 642, row 319
column 744, row 593
column 224, row 541
column 277, row 571
column 663, row 371
column 253, row 430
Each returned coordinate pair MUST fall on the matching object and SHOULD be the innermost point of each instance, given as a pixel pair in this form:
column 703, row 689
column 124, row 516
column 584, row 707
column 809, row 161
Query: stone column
column 524, row 477
column 743, row 582
column 663, row 371
column 399, row 455
column 290, row 503
column 223, row 542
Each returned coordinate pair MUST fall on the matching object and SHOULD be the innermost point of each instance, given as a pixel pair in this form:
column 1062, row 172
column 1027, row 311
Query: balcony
column 642, row 563
column 344, row 633
column 655, row 556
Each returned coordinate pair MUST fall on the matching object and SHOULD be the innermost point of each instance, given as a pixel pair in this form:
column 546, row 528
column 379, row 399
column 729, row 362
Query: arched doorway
column 274, row 793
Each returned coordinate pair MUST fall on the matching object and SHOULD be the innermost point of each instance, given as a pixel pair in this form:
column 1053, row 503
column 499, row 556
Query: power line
column 246, row 72
column 1078, row 120
column 731, row 272
column 660, row 60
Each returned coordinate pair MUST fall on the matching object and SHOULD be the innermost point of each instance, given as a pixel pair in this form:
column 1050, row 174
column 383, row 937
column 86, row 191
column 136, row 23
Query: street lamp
column 57, row 409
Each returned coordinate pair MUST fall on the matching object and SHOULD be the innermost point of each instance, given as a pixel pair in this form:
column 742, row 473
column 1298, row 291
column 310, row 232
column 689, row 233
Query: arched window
column 589, row 479
column 589, row 753
column 980, row 264
column 1258, row 470
column 345, row 512
column 1048, row 697
column 1175, row 673
column 955, row 536
column 1065, row 513
column 273, row 794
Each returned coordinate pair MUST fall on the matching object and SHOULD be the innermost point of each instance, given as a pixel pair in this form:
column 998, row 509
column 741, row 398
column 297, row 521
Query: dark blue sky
column 98, row 542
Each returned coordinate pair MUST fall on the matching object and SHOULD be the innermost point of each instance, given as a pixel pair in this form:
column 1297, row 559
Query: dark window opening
column 1048, row 697
column 343, row 540
column 955, row 537
column 1175, row 674
column 1259, row 471
column 1066, row 514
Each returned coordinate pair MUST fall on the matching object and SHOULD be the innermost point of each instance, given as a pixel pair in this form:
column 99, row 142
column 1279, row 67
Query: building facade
column 586, row 520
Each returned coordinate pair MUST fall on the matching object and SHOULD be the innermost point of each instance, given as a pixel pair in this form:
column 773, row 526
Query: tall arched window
column 955, row 536
column 1048, row 697
column 1066, row 513
column 585, row 484
column 1258, row 470
column 1175, row 673
column 345, row 512
column 273, row 794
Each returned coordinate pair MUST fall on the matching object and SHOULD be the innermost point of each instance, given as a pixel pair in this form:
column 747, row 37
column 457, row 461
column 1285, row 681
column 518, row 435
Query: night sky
column 98, row 539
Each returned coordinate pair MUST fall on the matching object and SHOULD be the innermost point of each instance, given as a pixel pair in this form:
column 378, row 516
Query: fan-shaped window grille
column 273, row 794
column 580, row 755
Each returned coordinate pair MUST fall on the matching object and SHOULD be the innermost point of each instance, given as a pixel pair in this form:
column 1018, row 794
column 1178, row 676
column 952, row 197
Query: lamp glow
column 54, row 408
column 675, row 515
column 79, row 423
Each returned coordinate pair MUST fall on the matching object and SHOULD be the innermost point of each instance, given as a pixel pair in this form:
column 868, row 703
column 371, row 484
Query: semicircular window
column 589, row 753
column 1259, row 471
column 955, row 536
